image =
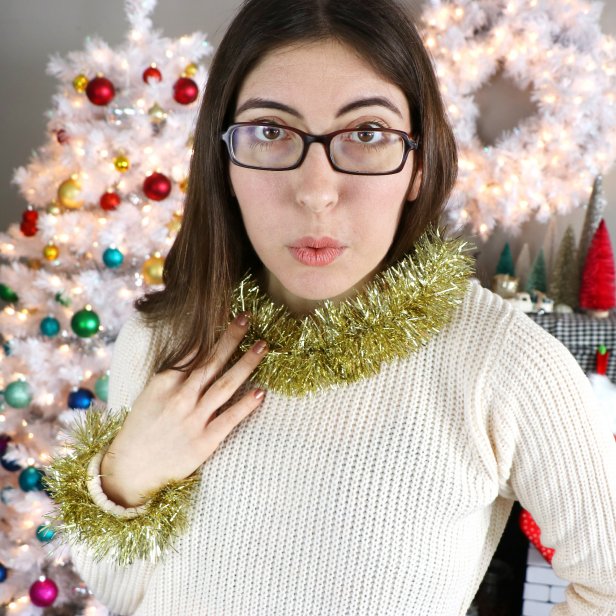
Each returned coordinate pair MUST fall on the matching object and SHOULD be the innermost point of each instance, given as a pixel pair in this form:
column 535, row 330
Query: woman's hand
column 171, row 429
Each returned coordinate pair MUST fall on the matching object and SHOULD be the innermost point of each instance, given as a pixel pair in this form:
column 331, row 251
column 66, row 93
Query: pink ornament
column 43, row 592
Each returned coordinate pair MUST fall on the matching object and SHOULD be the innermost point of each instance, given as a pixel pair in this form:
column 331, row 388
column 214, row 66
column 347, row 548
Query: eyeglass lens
column 363, row 150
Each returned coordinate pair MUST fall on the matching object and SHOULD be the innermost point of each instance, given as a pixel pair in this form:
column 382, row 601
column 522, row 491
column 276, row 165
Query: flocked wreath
column 546, row 164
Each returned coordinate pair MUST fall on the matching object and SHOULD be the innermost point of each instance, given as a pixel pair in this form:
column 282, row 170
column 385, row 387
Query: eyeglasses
column 360, row 151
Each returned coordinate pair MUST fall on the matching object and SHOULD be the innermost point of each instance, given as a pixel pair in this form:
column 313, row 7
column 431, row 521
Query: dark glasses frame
column 307, row 139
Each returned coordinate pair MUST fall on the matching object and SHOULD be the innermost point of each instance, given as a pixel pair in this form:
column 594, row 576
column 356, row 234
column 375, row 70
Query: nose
column 316, row 181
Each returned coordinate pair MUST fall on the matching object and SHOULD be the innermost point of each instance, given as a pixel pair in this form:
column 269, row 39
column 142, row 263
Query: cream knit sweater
column 388, row 496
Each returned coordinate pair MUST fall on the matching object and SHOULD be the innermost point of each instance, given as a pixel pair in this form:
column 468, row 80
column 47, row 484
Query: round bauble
column 18, row 394
column 62, row 136
column 157, row 186
column 43, row 592
column 4, row 572
column 51, row 252
column 45, row 533
column 152, row 270
column 109, row 200
column 100, row 91
column 69, row 194
column 185, row 91
column 7, row 294
column 113, row 258
column 190, row 70
column 50, row 327
column 121, row 163
column 152, row 74
column 101, row 387
column 85, row 323
column 30, row 479
column 80, row 83
column 80, row 399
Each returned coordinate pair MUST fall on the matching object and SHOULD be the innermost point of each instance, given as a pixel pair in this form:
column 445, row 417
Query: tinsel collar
column 392, row 316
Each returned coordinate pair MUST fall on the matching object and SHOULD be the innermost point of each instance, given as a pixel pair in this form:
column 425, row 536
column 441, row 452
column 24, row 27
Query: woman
column 361, row 455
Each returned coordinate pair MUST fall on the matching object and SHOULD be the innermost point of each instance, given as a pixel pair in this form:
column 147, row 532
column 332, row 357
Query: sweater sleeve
column 121, row 589
column 553, row 451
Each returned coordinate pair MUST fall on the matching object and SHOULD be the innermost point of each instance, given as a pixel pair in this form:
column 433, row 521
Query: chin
column 319, row 286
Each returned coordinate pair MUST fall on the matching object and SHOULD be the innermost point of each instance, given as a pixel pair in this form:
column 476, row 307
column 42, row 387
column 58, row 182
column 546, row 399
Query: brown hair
column 212, row 251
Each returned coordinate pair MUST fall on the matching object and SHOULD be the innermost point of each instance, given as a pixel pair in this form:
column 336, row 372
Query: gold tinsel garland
column 78, row 519
column 392, row 316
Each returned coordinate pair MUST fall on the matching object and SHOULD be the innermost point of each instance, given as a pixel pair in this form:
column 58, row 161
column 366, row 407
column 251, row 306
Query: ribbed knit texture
column 389, row 496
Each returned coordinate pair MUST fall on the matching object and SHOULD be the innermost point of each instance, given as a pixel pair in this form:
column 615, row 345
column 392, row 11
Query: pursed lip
column 316, row 242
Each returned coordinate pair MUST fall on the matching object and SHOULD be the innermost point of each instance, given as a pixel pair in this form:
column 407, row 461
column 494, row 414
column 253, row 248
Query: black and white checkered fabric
column 583, row 335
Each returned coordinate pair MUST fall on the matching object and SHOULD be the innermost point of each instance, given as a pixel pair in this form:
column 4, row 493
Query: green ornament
column 505, row 263
column 85, row 323
column 101, row 388
column 18, row 394
column 62, row 299
column 7, row 294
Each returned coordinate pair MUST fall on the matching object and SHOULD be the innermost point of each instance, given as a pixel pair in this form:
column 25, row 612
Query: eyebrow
column 262, row 103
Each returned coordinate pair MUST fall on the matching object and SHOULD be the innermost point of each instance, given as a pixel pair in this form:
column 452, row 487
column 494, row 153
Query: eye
column 269, row 133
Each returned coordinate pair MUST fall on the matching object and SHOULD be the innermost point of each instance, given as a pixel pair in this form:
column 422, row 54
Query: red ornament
column 43, row 592
column 533, row 532
column 185, row 91
column 157, row 186
column 601, row 359
column 100, row 91
column 152, row 74
column 29, row 216
column 109, row 201
column 597, row 283
column 62, row 136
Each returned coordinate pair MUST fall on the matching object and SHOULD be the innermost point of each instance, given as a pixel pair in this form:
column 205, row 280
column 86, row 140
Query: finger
column 223, row 351
column 228, row 383
column 221, row 426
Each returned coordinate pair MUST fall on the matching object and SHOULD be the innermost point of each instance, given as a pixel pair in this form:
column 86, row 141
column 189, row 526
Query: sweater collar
column 394, row 314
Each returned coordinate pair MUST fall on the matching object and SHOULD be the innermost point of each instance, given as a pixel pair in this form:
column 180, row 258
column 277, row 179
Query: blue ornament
column 113, row 258
column 50, row 326
column 30, row 479
column 18, row 394
column 80, row 398
column 9, row 466
column 4, row 572
column 101, row 388
column 44, row 533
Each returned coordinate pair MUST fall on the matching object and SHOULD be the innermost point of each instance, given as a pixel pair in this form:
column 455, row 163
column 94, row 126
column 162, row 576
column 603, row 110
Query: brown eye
column 365, row 136
column 271, row 133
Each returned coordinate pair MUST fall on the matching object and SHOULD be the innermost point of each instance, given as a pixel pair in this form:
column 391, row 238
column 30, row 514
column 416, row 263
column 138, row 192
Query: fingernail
column 242, row 319
column 259, row 393
column 259, row 347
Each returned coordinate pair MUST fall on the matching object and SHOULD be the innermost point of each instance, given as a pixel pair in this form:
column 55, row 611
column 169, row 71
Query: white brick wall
column 543, row 588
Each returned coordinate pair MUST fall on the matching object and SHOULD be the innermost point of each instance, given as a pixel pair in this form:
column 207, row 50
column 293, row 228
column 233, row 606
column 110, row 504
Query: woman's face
column 287, row 212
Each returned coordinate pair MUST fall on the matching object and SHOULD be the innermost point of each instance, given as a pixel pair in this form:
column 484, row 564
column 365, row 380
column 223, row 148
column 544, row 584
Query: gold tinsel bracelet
column 78, row 519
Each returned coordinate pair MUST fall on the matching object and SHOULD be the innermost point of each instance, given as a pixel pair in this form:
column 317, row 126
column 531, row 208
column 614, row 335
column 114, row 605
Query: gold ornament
column 190, row 70
column 78, row 519
column 152, row 270
column 183, row 185
column 51, row 252
column 392, row 316
column 175, row 223
column 121, row 163
column 190, row 141
column 80, row 83
column 69, row 193
column 34, row 264
column 157, row 114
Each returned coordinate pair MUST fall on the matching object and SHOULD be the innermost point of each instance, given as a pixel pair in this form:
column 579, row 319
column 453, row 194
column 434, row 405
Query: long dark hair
column 212, row 251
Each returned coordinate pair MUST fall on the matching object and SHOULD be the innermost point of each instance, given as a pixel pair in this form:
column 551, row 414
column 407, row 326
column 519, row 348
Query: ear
column 414, row 189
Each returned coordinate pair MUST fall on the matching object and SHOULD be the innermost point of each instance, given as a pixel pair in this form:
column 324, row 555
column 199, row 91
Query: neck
column 301, row 306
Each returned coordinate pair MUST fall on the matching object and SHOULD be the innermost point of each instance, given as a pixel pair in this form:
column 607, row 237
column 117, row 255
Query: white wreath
column 547, row 164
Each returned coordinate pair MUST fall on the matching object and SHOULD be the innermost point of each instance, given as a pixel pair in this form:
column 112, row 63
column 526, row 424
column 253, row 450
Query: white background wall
column 31, row 30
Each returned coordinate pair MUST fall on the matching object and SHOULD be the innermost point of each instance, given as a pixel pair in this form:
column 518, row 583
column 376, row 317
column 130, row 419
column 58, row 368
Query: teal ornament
column 62, row 299
column 113, row 258
column 7, row 294
column 30, row 479
column 85, row 323
column 44, row 533
column 18, row 394
column 50, row 326
column 101, row 388
column 6, row 347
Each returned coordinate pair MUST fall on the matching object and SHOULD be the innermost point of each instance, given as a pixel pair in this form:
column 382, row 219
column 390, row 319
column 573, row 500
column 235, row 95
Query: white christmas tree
column 105, row 196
